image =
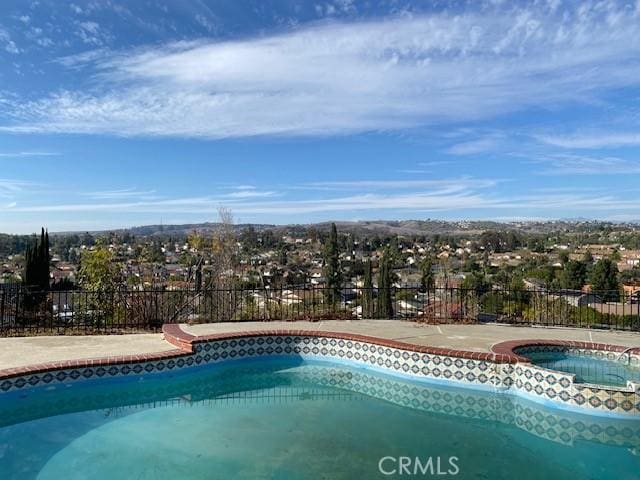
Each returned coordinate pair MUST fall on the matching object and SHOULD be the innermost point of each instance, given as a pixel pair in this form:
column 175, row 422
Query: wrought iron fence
column 24, row 311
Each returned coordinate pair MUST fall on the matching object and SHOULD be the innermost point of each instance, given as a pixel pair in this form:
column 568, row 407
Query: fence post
column 18, row 293
column 4, row 294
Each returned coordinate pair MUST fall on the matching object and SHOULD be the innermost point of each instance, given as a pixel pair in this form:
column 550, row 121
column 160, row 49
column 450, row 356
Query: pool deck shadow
column 24, row 351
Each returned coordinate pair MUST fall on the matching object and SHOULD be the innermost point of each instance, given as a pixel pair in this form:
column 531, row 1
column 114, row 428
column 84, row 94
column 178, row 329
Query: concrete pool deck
column 23, row 351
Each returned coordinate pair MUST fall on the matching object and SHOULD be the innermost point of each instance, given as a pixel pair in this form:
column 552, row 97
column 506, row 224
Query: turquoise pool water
column 587, row 369
column 287, row 419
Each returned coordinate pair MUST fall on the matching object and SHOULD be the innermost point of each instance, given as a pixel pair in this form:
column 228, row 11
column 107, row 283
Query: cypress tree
column 367, row 294
column 426, row 275
column 40, row 262
column 332, row 272
column 37, row 259
column 385, row 303
column 44, row 261
column 28, row 265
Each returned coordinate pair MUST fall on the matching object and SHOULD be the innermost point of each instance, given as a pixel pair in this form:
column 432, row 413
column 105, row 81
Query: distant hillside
column 415, row 227
column 184, row 229
column 388, row 227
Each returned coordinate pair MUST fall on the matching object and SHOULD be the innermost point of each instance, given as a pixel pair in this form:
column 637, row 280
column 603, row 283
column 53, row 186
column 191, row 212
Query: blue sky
column 117, row 113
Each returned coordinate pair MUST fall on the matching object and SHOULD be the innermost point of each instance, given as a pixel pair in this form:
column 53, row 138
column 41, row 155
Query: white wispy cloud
column 208, row 205
column 424, row 167
column 571, row 164
column 82, row 59
column 122, row 193
column 246, row 193
column 473, row 146
column 76, row 9
column 593, row 140
column 343, row 78
column 470, row 195
column 587, row 203
column 27, row 154
column 434, row 163
column 11, row 187
column 432, row 195
column 92, row 33
column 7, row 43
column 438, row 185
column 450, row 198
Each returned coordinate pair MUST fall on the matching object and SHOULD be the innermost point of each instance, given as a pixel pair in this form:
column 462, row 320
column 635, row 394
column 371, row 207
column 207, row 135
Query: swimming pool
column 588, row 368
column 292, row 418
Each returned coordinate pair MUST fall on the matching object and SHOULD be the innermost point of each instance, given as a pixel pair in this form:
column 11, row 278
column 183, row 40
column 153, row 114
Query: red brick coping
column 181, row 339
column 185, row 341
column 508, row 347
column 501, row 352
column 91, row 362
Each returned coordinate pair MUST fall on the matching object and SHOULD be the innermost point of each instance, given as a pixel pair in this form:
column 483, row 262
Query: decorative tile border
column 181, row 339
column 499, row 371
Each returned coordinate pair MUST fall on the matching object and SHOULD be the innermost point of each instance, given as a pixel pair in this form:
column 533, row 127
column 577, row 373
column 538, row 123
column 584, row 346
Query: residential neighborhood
column 288, row 265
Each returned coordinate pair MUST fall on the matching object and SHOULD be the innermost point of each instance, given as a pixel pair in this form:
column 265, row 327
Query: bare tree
column 223, row 252
column 212, row 275
column 222, row 300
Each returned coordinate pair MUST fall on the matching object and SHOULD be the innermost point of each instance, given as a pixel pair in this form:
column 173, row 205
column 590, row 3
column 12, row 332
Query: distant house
column 534, row 284
column 174, row 285
column 259, row 299
column 578, row 298
column 438, row 311
column 348, row 293
column 452, row 281
column 409, row 308
column 317, row 277
column 289, row 298
column 631, row 288
column 59, row 275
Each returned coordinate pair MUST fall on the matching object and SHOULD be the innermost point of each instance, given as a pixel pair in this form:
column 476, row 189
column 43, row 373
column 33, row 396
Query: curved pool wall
column 556, row 425
column 502, row 371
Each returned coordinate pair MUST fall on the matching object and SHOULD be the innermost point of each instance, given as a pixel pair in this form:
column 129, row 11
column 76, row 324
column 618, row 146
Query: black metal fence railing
column 24, row 311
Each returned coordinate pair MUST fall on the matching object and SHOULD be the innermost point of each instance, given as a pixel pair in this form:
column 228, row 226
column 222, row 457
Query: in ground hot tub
column 570, row 374
column 589, row 366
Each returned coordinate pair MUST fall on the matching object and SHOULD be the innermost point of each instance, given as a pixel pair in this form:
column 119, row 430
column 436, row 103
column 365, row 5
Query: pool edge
column 500, row 370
